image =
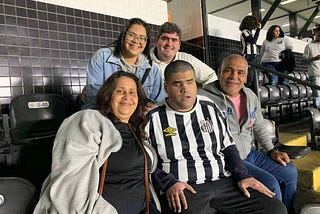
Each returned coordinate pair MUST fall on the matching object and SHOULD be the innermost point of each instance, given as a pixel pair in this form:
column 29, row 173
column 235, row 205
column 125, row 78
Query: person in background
column 271, row 49
column 243, row 113
column 250, row 29
column 311, row 56
column 130, row 53
column 200, row 170
column 167, row 48
column 113, row 132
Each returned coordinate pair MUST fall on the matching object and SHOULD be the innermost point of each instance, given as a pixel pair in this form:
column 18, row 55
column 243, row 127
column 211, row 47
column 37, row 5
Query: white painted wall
column 152, row 11
column 187, row 14
column 224, row 28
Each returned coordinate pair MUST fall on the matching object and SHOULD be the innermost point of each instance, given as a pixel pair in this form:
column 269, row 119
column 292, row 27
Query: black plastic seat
column 294, row 152
column 33, row 123
column 274, row 102
column 17, row 196
column 264, row 95
column 310, row 209
column 36, row 117
column 314, row 116
column 285, row 105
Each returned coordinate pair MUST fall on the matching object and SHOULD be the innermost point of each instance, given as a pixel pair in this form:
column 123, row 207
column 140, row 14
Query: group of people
column 274, row 50
column 148, row 142
column 276, row 53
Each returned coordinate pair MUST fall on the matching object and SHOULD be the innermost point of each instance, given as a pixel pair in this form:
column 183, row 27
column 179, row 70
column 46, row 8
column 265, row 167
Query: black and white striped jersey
column 189, row 144
column 248, row 40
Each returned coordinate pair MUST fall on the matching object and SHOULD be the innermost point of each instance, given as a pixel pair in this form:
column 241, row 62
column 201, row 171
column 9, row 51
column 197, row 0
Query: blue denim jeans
column 316, row 93
column 281, row 180
column 274, row 79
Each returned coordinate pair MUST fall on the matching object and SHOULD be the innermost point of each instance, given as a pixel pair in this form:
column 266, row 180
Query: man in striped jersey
column 200, row 170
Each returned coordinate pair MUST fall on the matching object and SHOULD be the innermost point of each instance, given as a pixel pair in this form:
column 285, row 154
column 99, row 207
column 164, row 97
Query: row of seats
column 28, row 132
column 284, row 100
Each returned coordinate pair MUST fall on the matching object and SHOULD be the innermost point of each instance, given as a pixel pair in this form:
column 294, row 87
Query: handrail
column 285, row 76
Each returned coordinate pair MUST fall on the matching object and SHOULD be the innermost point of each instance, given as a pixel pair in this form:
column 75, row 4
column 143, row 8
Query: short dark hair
column 103, row 102
column 169, row 27
column 270, row 33
column 118, row 44
column 175, row 67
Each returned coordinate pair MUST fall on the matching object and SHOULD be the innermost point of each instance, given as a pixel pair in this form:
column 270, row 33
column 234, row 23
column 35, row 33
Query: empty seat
column 303, row 76
column 273, row 104
column 294, row 152
column 310, row 209
column 264, row 95
column 17, row 196
column 314, row 115
column 36, row 117
column 33, row 123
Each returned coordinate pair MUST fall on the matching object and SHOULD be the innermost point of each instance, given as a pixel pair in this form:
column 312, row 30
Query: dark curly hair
column 119, row 43
column 138, row 119
column 249, row 23
column 270, row 33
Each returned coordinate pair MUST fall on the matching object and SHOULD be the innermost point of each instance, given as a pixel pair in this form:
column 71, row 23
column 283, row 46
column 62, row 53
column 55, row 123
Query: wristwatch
column 272, row 150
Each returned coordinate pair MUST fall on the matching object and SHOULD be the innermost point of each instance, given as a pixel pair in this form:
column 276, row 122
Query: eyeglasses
column 132, row 36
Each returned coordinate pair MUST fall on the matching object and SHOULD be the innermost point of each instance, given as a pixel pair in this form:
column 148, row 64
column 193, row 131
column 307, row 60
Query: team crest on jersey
column 170, row 131
column 206, row 125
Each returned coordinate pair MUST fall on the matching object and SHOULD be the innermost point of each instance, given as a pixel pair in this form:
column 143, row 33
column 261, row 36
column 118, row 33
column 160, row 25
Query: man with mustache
column 243, row 112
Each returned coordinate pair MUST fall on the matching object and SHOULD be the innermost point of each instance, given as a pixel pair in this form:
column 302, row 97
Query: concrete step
column 293, row 139
column 308, row 191
column 309, row 171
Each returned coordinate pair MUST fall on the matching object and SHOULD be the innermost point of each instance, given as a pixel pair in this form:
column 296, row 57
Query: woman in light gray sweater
column 113, row 132
column 271, row 50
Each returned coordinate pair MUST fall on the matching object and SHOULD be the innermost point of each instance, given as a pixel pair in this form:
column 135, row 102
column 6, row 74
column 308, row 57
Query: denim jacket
column 103, row 64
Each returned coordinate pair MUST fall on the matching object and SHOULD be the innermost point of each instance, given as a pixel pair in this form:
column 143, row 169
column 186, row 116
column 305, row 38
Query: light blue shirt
column 103, row 64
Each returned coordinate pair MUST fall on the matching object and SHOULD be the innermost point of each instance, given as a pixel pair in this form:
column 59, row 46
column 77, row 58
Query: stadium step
column 308, row 192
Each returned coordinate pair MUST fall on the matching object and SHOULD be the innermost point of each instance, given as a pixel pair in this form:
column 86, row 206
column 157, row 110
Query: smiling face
column 124, row 100
column 182, row 91
column 233, row 75
column 168, row 45
column 135, row 41
column 276, row 32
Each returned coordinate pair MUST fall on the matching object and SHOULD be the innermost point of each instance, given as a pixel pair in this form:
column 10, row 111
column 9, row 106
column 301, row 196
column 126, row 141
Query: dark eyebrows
column 180, row 81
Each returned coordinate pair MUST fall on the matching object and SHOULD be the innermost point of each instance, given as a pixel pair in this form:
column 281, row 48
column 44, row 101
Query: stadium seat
column 294, row 152
column 17, row 196
column 36, row 117
column 34, row 120
column 310, row 209
column 314, row 115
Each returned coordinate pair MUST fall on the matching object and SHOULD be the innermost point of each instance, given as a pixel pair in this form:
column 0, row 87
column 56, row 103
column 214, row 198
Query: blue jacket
column 103, row 64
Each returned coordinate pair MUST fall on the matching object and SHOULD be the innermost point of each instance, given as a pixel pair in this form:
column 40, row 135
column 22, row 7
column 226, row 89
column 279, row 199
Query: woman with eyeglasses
column 130, row 53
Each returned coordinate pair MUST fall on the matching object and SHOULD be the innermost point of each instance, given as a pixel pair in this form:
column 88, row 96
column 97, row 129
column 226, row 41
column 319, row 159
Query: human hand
column 259, row 25
column 256, row 185
column 280, row 157
column 149, row 106
column 176, row 197
column 317, row 57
